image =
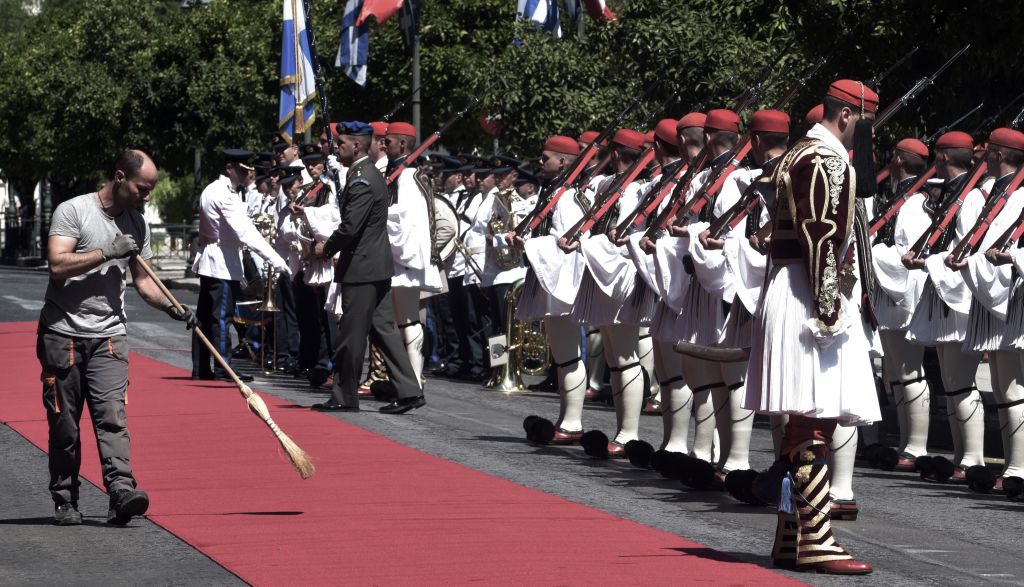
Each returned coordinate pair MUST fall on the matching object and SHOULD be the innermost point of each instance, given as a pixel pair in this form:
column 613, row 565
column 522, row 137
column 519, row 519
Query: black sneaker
column 126, row 503
column 67, row 514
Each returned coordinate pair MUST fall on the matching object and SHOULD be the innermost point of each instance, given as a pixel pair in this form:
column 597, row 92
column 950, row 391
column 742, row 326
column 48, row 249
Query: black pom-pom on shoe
column 539, row 430
column 639, row 453
column 888, row 457
column 740, row 485
column 944, row 469
column 595, row 444
column 1014, row 488
column 980, row 479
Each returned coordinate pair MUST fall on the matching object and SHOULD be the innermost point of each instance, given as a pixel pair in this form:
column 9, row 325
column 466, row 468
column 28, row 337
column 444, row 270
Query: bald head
column 133, row 163
column 134, row 178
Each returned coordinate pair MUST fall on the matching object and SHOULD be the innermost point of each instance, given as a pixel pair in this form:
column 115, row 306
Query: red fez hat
column 1007, row 137
column 629, row 138
column 912, row 145
column 562, row 144
column 815, row 115
column 955, row 140
column 379, row 128
column 770, row 121
column 334, row 128
column 722, row 119
column 855, row 94
column 401, row 128
column 692, row 119
column 666, row 131
column 588, row 136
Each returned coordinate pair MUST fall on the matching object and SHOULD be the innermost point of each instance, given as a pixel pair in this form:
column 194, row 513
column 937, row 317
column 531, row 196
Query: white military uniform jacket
column 224, row 226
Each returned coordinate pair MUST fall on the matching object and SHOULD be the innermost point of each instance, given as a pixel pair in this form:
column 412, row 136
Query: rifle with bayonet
column 717, row 176
column 604, row 202
column 897, row 202
column 940, row 224
column 430, row 141
column 874, row 82
column 547, row 199
column 930, row 139
column 747, row 201
column 400, row 105
column 972, row 240
column 991, row 120
column 683, row 177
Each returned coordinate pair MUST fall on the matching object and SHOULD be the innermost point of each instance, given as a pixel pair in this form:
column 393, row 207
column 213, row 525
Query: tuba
column 504, row 257
column 525, row 346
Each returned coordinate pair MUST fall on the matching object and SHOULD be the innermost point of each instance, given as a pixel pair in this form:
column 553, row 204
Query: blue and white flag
column 298, row 83
column 544, row 13
column 355, row 43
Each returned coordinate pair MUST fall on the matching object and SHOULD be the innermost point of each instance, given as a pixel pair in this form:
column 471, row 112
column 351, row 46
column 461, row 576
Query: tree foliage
column 82, row 80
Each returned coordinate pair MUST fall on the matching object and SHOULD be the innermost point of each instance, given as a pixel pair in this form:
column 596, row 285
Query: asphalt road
column 915, row 533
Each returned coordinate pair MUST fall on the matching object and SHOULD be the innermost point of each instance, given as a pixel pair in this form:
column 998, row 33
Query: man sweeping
column 82, row 338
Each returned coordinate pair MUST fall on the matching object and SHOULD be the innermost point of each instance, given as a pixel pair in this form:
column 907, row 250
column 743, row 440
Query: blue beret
column 354, row 128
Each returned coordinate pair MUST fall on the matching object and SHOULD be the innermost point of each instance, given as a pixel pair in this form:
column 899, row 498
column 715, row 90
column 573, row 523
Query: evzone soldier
column 717, row 269
column 605, row 301
column 700, row 315
column 895, row 298
column 809, row 356
column 597, row 367
column 940, row 318
column 676, row 396
column 666, row 367
column 550, row 289
column 991, row 286
column 411, row 241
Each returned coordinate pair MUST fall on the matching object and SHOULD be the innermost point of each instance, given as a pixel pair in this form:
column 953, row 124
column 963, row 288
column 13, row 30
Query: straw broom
column 300, row 460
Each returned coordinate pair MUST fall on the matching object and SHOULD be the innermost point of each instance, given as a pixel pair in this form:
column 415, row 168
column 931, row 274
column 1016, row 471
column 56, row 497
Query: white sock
column 844, row 453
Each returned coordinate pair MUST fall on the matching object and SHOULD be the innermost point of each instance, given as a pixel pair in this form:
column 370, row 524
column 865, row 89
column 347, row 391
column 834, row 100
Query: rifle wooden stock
column 413, row 156
column 897, row 203
column 638, row 166
column 882, row 175
column 545, row 206
column 678, row 190
column 1010, row 235
column 732, row 217
column 972, row 239
column 653, row 197
column 715, row 180
column 940, row 224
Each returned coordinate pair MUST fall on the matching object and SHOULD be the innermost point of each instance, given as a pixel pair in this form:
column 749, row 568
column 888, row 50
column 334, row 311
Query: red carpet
column 376, row 512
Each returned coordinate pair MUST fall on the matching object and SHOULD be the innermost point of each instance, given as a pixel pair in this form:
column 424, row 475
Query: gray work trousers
column 76, row 371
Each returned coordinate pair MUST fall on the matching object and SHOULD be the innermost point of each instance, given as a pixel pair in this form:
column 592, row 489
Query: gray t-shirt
column 91, row 305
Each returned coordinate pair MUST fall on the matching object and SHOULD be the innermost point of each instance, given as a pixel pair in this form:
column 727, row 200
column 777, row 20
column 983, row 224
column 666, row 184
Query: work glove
column 184, row 315
column 121, row 247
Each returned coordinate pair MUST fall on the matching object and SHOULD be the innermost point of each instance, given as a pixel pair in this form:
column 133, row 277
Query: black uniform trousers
column 215, row 312
column 368, row 312
column 445, row 338
column 287, row 324
column 314, row 325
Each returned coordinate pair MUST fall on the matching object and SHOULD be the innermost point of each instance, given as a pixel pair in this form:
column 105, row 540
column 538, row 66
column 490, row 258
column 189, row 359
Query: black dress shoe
column 333, row 406
column 403, row 405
